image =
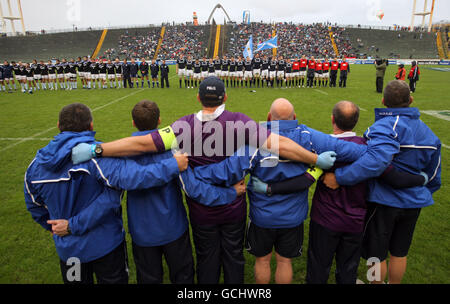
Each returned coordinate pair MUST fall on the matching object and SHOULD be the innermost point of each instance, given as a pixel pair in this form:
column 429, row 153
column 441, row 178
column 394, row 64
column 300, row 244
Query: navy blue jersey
column 154, row 68
column 257, row 63
column 134, row 67
column 144, row 67
column 111, row 68
column 204, row 65
column 181, row 63
column 225, row 64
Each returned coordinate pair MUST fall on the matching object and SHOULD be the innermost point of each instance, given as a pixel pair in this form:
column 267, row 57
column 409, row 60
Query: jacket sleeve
column 434, row 171
column 381, row 148
column 127, row 174
column 346, row 151
column 36, row 206
column 204, row 193
column 89, row 218
column 229, row 171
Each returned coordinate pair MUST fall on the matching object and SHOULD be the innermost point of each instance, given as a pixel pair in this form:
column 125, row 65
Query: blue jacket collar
column 57, row 153
column 412, row 113
column 282, row 124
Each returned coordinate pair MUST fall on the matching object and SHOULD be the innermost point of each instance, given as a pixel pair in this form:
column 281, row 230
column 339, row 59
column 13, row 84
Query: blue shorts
column 144, row 74
column 133, row 76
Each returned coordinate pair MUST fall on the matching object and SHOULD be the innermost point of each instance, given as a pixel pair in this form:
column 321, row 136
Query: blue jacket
column 56, row 189
column 277, row 211
column 157, row 216
column 400, row 137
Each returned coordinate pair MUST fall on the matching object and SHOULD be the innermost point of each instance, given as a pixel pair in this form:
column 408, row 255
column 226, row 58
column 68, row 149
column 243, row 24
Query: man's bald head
column 281, row 109
column 345, row 115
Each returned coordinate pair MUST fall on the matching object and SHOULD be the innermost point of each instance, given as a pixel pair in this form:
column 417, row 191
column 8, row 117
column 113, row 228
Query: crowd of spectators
column 135, row 45
column 186, row 39
column 294, row 40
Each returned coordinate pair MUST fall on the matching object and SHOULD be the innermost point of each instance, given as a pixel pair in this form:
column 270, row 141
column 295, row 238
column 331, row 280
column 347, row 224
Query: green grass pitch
column 27, row 253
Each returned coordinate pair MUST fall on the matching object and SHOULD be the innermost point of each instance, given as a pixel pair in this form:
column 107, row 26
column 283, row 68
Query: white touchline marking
column 52, row 128
column 436, row 114
column 362, row 109
column 325, row 93
column 445, row 146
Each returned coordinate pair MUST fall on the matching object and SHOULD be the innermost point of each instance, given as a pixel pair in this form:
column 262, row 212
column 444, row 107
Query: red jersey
column 344, row 66
column 326, row 66
column 311, row 65
column 318, row 66
column 296, row 66
column 414, row 73
column 334, row 65
column 303, row 63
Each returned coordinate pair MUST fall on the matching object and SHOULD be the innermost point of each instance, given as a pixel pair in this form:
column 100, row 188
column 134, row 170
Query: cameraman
column 380, row 66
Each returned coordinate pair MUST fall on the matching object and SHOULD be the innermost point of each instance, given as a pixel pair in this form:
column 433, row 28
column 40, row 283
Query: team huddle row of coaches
column 366, row 205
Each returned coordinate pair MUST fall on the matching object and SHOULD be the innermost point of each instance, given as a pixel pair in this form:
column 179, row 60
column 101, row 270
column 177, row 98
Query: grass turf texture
column 27, row 253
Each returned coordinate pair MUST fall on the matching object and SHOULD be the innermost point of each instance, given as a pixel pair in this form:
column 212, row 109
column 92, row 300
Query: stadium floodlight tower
column 11, row 18
column 423, row 14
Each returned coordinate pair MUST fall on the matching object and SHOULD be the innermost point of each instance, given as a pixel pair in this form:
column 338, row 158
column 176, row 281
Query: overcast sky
column 61, row 14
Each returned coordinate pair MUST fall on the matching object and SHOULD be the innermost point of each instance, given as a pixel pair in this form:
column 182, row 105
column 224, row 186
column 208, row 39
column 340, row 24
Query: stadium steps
column 440, row 48
column 409, row 45
column 217, row 41
column 100, row 43
column 333, row 43
column 161, row 38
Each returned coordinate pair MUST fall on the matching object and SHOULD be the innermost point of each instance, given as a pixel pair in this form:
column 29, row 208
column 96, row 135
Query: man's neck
column 337, row 131
column 207, row 110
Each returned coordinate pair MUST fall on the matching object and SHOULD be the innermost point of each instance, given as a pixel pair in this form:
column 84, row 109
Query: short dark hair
column 345, row 120
column 145, row 115
column 396, row 94
column 75, row 117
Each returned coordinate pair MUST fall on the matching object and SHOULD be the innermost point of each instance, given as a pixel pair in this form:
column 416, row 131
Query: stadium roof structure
column 214, row 9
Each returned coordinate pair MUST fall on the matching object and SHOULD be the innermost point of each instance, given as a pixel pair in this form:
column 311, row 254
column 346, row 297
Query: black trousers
column 110, row 269
column 220, row 246
column 412, row 85
column 165, row 79
column 178, row 255
column 127, row 80
column 379, row 84
column 343, row 79
column 323, row 245
column 333, row 77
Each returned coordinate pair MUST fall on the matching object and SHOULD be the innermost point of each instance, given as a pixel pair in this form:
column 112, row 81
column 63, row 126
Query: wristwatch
column 98, row 151
column 69, row 231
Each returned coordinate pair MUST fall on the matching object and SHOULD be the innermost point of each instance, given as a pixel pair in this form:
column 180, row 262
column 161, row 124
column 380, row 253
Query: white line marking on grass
column 437, row 114
column 362, row 109
column 445, row 146
column 320, row 91
column 52, row 128
column 116, row 100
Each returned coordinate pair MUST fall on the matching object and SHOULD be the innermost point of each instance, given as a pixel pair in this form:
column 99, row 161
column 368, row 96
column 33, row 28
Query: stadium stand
column 392, row 44
column 294, row 40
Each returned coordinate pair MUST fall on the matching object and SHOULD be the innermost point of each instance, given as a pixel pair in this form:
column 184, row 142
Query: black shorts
column 288, row 242
column 388, row 229
column 144, row 74
column 154, row 76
